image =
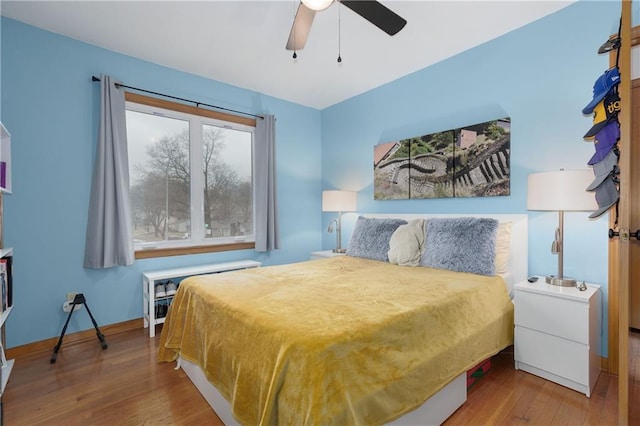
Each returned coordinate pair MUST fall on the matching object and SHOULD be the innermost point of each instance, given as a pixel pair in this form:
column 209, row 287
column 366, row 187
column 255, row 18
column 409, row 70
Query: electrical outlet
column 71, row 296
column 66, row 306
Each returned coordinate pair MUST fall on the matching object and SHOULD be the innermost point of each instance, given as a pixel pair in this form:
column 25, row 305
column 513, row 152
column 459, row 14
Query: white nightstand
column 557, row 333
column 324, row 253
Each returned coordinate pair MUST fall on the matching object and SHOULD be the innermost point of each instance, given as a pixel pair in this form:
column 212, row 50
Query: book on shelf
column 4, row 284
column 3, row 174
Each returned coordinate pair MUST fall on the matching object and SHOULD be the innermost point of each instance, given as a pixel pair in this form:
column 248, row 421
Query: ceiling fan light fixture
column 317, row 5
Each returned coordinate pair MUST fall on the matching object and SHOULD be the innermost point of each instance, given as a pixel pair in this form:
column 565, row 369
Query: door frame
column 610, row 364
column 618, row 274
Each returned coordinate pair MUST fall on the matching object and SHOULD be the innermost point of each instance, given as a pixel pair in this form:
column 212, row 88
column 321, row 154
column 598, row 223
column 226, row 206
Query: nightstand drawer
column 568, row 319
column 552, row 354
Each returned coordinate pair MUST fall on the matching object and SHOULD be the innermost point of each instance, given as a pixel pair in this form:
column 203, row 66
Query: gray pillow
column 462, row 244
column 370, row 237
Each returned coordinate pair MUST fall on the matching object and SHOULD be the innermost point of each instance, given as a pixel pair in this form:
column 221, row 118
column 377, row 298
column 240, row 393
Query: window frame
column 210, row 116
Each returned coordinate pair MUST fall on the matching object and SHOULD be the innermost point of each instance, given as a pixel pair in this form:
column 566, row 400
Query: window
column 190, row 174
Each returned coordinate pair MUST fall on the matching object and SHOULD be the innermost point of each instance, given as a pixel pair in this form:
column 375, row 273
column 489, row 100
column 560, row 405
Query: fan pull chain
column 339, row 20
column 295, row 53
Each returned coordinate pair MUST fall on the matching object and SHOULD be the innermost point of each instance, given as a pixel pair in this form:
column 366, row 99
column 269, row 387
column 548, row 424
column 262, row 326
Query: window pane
column 159, row 176
column 228, row 193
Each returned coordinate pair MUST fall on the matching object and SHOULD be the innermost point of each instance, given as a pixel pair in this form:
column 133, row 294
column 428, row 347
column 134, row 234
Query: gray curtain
column 109, row 240
column 267, row 230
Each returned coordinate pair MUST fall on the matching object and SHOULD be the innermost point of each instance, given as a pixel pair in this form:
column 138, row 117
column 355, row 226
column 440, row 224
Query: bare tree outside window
column 161, row 174
column 228, row 195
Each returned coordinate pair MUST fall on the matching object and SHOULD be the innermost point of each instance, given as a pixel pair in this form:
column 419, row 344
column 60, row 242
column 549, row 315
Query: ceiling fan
column 371, row 10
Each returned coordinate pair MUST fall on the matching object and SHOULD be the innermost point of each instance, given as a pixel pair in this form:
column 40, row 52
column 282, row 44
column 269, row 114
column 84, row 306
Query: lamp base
column 339, row 250
column 563, row 282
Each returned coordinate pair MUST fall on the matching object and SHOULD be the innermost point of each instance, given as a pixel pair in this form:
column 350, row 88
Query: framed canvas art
column 472, row 161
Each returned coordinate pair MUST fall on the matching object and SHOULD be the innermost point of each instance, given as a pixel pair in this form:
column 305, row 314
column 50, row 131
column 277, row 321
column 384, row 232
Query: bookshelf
column 7, row 365
column 6, row 305
column 6, row 261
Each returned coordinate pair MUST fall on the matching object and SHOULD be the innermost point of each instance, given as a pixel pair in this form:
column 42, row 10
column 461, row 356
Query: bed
column 345, row 340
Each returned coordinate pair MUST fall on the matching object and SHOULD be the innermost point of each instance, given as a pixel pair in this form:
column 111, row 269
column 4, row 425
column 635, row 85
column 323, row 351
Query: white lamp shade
column 339, row 201
column 317, row 5
column 561, row 190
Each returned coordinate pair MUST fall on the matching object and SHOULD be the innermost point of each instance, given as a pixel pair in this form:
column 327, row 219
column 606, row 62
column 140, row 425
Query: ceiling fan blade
column 378, row 14
column 300, row 28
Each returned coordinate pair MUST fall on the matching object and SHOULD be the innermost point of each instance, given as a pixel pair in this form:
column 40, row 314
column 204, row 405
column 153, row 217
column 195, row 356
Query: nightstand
column 558, row 332
column 324, row 253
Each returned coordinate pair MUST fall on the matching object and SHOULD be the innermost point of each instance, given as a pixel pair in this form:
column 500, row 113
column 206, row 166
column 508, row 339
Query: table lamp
column 338, row 201
column 561, row 191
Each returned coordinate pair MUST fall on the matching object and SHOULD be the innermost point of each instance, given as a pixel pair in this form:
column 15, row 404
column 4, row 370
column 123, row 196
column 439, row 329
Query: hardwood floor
column 509, row 397
column 124, row 385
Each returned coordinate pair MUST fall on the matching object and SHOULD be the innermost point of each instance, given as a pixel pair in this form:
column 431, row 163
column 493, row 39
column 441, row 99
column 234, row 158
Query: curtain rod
column 94, row 78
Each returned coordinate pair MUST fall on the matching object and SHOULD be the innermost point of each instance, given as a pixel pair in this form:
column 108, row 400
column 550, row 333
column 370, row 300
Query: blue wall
column 50, row 106
column 541, row 76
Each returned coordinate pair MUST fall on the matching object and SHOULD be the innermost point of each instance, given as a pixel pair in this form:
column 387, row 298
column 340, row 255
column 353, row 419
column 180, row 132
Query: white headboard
column 518, row 256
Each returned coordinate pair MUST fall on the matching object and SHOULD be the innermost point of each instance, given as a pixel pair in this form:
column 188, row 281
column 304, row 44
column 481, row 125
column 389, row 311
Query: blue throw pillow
column 462, row 244
column 370, row 237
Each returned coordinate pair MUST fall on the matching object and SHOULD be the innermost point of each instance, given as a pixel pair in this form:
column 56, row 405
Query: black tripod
column 77, row 300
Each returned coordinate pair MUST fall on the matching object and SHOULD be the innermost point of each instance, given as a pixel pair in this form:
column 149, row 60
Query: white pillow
column 503, row 245
column 407, row 243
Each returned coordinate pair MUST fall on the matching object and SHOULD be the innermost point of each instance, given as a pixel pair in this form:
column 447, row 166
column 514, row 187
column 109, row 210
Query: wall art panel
column 472, row 161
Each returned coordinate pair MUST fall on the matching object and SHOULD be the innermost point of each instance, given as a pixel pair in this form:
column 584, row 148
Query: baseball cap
column 607, row 195
column 610, row 44
column 606, row 139
column 605, row 112
column 603, row 169
column 607, row 81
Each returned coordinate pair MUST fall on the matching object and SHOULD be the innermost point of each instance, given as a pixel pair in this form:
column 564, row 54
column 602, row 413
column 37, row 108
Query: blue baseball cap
column 601, row 87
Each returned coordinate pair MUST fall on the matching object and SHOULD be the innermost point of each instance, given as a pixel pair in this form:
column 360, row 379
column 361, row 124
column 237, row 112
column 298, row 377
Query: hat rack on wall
column 604, row 108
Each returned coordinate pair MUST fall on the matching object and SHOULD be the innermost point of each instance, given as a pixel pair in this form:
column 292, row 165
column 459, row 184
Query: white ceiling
column 242, row 42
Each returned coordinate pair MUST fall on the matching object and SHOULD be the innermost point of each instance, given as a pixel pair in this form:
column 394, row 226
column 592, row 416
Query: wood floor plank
column 124, row 385
column 545, row 405
column 572, row 410
column 598, row 400
column 610, row 409
column 523, row 396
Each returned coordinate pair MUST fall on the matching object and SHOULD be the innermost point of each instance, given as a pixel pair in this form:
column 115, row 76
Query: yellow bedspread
column 335, row 341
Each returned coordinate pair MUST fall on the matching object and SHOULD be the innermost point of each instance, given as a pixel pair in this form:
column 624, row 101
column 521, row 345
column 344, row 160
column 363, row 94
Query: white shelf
column 6, row 372
column 6, row 252
column 5, row 157
column 150, row 278
column 5, row 315
column 203, row 269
